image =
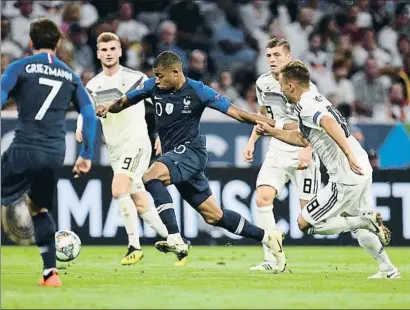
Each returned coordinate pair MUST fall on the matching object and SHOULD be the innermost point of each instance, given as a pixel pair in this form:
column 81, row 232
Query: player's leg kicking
column 369, row 241
column 34, row 173
column 184, row 167
column 130, row 194
column 322, row 215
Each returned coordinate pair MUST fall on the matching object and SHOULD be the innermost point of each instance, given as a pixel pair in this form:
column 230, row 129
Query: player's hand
column 102, row 109
column 79, row 136
column 354, row 165
column 262, row 128
column 248, row 152
column 305, row 158
column 158, row 147
column 81, row 167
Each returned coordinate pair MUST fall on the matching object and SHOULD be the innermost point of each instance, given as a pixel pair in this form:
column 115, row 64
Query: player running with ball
column 179, row 104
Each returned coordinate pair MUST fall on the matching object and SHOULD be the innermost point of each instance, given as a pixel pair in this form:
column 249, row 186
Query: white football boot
column 390, row 274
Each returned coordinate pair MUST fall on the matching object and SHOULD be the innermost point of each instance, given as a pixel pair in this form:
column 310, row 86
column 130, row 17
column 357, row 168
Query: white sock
column 337, row 225
column 151, row 217
column 371, row 243
column 47, row 271
column 266, row 220
column 175, row 238
column 129, row 214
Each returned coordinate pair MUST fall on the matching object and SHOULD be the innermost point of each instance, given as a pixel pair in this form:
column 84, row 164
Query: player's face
column 287, row 89
column 277, row 57
column 109, row 53
column 166, row 78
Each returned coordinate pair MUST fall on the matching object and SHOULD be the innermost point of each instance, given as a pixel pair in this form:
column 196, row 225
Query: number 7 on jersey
column 56, row 85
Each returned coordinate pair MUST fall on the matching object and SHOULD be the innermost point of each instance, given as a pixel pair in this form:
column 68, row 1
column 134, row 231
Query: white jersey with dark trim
column 128, row 126
column 310, row 110
column 270, row 96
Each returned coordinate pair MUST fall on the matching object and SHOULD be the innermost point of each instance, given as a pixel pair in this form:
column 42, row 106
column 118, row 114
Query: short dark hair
column 167, row 59
column 45, row 34
column 278, row 42
column 296, row 70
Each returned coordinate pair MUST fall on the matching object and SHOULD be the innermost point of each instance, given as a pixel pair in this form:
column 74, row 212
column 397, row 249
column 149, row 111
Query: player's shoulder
column 267, row 83
column 196, row 85
column 95, row 81
column 312, row 99
column 135, row 74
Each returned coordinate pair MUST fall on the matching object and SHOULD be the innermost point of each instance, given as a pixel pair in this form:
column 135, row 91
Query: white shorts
column 280, row 166
column 132, row 161
column 336, row 198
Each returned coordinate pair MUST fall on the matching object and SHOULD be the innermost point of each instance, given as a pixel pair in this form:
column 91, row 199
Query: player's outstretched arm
column 333, row 129
column 292, row 137
column 143, row 91
column 246, row 117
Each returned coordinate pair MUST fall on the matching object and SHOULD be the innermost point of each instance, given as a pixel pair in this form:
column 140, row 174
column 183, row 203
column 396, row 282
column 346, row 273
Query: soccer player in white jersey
column 345, row 204
column 283, row 162
column 128, row 143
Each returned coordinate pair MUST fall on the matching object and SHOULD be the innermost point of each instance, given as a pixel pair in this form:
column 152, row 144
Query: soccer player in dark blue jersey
column 179, row 104
column 44, row 87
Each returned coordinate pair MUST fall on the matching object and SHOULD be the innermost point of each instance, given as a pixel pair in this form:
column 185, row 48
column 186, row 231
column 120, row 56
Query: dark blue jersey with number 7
column 44, row 87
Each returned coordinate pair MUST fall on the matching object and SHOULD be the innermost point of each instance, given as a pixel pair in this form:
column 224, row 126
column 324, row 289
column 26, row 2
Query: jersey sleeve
column 312, row 110
column 142, row 91
column 211, row 98
column 9, row 80
column 82, row 101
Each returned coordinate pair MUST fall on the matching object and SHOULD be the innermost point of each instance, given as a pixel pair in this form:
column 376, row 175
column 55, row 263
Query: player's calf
column 44, row 232
column 120, row 188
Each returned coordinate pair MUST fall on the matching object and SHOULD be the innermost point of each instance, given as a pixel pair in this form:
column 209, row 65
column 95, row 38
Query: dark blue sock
column 163, row 203
column 237, row 224
column 44, row 230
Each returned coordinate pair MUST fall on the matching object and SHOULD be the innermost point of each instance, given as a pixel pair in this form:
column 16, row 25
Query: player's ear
column 58, row 44
column 289, row 56
column 175, row 72
column 120, row 52
column 30, row 44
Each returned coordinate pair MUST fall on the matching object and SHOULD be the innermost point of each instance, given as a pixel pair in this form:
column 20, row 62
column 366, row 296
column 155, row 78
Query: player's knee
column 157, row 171
column 303, row 224
column 34, row 208
column 119, row 190
column 120, row 186
column 265, row 196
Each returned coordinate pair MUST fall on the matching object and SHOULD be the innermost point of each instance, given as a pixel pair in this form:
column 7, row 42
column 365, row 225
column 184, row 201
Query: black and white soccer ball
column 68, row 245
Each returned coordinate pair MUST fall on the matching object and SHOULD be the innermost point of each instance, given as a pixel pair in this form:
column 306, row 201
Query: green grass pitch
column 215, row 277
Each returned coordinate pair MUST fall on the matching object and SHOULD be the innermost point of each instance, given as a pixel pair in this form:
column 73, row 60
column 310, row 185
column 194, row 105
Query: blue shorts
column 31, row 171
column 186, row 165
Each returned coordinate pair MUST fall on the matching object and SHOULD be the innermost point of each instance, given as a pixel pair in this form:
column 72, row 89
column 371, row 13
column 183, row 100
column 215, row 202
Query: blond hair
column 107, row 37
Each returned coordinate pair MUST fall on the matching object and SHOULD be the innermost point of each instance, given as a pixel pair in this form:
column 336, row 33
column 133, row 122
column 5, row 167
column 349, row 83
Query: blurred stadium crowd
column 358, row 51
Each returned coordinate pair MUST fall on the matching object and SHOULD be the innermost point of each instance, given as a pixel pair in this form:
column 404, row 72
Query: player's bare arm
column 245, row 117
column 333, row 129
column 292, row 137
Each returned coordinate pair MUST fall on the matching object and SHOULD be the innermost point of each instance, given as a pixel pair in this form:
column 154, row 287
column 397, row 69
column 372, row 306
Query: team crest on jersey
column 187, row 102
column 169, row 108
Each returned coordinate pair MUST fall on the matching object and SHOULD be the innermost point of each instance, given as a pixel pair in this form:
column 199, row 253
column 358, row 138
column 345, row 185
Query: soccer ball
column 68, row 245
